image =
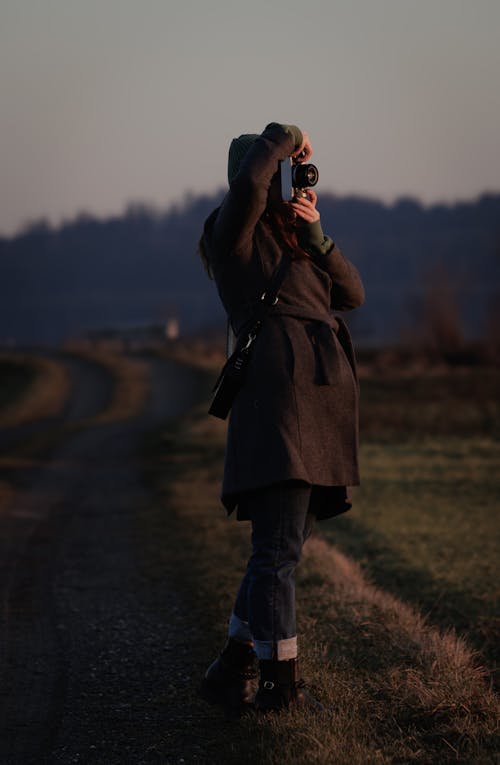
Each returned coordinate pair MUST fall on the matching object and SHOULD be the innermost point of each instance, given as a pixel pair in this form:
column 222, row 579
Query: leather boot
column 228, row 680
column 281, row 688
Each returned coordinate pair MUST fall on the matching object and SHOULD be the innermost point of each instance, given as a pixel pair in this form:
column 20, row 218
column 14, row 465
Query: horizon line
column 189, row 197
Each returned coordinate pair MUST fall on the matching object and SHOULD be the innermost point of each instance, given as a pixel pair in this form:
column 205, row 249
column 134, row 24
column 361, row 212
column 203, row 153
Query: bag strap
column 270, row 296
column 241, row 347
column 268, row 299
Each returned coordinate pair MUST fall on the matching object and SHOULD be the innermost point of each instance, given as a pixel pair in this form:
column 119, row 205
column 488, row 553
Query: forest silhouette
column 139, row 267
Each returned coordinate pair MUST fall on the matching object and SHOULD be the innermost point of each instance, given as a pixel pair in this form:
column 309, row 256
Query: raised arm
column 246, row 199
column 347, row 288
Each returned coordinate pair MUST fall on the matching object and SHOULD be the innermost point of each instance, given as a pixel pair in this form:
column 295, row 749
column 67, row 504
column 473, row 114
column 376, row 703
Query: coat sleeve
column 347, row 288
column 246, row 199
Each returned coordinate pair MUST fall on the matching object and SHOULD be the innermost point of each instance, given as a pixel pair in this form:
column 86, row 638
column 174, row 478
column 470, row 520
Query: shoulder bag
column 234, row 371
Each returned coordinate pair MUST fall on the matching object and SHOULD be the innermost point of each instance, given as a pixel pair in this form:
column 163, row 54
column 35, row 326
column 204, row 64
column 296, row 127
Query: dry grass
column 400, row 689
column 416, row 674
column 425, row 526
column 209, row 356
column 49, row 393
column 400, row 404
column 44, row 396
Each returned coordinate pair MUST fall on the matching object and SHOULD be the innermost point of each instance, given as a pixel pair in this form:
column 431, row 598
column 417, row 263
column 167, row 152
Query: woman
column 292, row 438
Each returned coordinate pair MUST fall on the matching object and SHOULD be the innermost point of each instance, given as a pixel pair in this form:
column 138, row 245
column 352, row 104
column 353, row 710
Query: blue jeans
column 264, row 610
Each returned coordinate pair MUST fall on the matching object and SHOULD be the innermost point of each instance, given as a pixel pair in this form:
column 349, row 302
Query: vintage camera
column 295, row 177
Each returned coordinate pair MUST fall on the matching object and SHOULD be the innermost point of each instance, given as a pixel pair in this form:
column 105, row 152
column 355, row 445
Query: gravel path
column 93, row 654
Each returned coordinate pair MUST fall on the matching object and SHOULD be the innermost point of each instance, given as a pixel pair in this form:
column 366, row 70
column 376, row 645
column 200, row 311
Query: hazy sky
column 104, row 102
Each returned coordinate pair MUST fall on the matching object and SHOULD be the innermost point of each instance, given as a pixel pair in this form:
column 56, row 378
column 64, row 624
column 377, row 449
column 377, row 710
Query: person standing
column 292, row 440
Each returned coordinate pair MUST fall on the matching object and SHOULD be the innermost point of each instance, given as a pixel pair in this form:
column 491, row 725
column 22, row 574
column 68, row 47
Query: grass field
column 381, row 591
column 426, row 524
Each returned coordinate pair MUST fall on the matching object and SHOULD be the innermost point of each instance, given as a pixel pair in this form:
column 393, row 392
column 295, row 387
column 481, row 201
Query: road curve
column 77, row 632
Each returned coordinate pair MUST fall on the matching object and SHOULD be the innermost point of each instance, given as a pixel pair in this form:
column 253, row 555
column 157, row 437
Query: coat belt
column 305, row 314
column 320, row 329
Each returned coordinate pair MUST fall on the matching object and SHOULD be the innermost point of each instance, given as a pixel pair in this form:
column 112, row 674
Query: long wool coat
column 297, row 414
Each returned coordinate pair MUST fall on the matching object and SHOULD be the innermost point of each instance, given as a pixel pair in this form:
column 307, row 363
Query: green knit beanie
column 237, row 150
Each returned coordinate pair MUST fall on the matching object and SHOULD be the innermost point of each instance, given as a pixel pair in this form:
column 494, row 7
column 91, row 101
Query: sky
column 104, row 103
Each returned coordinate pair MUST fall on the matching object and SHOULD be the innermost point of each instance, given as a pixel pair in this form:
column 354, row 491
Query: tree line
column 427, row 269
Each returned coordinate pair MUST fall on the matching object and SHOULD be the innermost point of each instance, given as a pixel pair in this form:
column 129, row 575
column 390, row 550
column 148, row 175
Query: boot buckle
column 268, row 685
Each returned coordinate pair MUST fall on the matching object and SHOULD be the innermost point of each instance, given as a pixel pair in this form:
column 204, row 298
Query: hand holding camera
column 304, row 206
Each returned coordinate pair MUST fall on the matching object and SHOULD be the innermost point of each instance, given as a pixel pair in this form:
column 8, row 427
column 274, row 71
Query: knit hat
column 237, row 150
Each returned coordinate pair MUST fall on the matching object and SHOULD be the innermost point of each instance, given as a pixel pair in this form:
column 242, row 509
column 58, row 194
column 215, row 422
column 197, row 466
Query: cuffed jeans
column 264, row 611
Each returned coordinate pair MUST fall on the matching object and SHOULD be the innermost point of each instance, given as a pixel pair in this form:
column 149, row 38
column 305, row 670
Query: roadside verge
column 400, row 689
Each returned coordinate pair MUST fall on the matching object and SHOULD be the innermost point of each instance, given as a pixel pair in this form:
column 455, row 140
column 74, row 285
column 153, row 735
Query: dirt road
column 84, row 643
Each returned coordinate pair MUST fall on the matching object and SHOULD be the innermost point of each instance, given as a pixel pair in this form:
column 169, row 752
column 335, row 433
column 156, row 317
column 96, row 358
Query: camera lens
column 304, row 176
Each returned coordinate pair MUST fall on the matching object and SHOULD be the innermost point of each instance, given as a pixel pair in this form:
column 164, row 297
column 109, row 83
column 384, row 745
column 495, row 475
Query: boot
column 281, row 688
column 228, row 679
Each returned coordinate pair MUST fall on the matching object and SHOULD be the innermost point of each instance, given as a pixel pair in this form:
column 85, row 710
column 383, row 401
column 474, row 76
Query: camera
column 295, row 177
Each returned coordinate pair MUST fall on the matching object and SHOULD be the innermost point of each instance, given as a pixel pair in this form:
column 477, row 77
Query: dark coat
column 297, row 414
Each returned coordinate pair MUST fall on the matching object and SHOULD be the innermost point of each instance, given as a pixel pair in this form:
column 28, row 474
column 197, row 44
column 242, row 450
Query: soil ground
column 88, row 645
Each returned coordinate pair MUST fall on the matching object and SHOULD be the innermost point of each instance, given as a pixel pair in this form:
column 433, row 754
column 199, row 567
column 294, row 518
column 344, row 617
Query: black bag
column 234, row 372
column 231, row 380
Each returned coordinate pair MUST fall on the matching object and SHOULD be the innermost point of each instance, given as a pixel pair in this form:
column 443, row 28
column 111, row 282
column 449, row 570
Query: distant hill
column 142, row 266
